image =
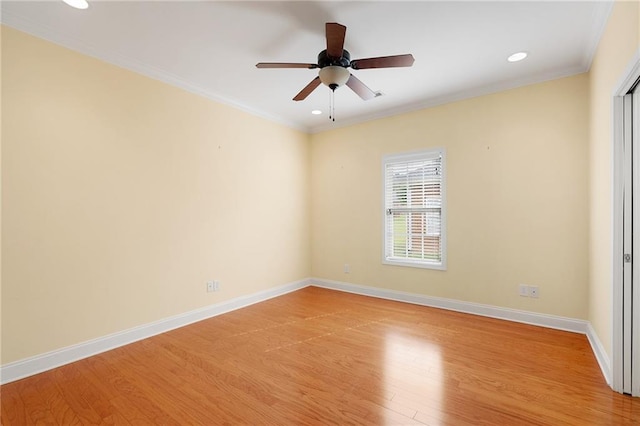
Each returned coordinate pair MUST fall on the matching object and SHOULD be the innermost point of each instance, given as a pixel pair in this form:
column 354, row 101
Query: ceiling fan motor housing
column 325, row 60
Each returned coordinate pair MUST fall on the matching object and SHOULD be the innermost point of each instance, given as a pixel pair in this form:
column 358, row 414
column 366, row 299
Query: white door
column 624, row 375
column 631, row 241
column 635, row 291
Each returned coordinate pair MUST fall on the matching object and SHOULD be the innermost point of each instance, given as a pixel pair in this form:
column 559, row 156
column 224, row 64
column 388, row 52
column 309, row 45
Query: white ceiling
column 211, row 48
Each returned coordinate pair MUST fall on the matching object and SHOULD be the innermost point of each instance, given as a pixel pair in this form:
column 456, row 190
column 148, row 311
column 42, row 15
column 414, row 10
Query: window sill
column 415, row 264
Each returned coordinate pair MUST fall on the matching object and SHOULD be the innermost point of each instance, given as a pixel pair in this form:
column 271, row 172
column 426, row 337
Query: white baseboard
column 47, row 361
column 600, row 353
column 543, row 320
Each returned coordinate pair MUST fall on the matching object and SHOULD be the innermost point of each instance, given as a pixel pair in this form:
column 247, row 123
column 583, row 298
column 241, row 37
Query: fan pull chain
column 332, row 105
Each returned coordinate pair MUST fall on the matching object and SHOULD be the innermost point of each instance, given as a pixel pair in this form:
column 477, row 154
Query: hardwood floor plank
column 316, row 357
column 13, row 410
column 32, row 402
column 129, row 401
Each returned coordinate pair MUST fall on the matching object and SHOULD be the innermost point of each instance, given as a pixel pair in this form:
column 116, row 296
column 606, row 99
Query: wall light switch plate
column 523, row 290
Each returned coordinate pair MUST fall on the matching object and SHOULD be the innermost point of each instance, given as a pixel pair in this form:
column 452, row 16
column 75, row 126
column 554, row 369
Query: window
column 414, row 209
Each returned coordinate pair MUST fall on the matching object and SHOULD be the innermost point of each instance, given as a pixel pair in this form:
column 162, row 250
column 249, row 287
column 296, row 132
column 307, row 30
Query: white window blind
column 414, row 209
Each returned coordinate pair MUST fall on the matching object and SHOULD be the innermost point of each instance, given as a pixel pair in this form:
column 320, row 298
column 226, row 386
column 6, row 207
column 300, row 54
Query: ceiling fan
column 334, row 61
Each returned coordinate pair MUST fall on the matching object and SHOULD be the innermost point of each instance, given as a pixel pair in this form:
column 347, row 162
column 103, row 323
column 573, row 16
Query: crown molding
column 599, row 21
column 114, row 58
column 455, row 97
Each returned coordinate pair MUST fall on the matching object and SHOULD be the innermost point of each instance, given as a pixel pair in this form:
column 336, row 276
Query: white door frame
column 626, row 83
column 635, row 355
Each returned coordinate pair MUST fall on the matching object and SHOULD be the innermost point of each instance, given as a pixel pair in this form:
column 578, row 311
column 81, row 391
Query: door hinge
column 627, row 258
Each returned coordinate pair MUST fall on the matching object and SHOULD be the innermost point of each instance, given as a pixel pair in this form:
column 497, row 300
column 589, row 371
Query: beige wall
column 516, row 193
column 617, row 47
column 122, row 196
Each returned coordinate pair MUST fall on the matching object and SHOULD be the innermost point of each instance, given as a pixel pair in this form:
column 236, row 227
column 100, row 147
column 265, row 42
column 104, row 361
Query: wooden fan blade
column 284, row 65
column 383, row 62
column 335, row 39
column 360, row 88
column 307, row 89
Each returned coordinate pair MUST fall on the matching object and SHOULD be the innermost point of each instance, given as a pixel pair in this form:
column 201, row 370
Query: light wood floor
column 323, row 357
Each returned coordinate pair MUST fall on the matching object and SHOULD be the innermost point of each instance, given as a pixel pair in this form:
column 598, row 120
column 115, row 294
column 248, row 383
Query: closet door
column 631, row 241
column 633, row 127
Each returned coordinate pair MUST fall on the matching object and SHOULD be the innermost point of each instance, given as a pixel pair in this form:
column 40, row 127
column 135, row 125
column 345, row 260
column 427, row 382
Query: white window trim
column 409, row 156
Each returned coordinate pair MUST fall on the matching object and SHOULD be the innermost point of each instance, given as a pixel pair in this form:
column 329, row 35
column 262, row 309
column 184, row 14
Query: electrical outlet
column 523, row 290
column 528, row 291
column 213, row 286
column 347, row 268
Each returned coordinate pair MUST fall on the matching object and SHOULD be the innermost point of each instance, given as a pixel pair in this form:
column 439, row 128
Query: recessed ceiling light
column 78, row 4
column 316, row 112
column 517, row 57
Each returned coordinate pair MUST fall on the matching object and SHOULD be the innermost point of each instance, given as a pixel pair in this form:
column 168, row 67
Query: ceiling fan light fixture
column 78, row 4
column 334, row 76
